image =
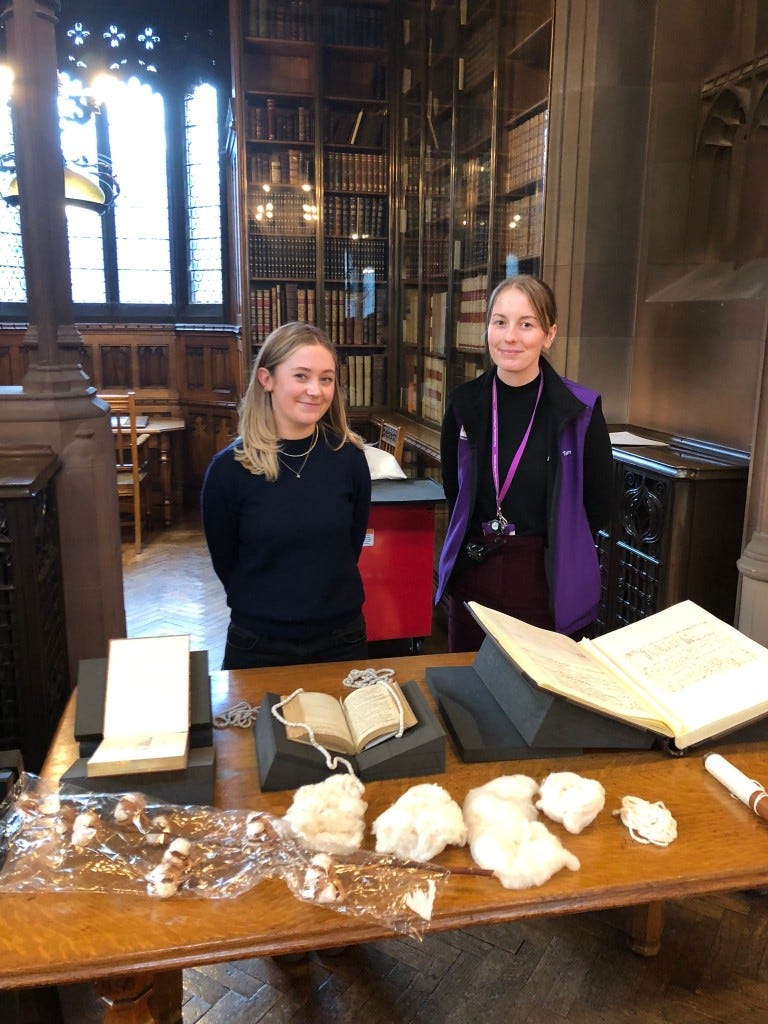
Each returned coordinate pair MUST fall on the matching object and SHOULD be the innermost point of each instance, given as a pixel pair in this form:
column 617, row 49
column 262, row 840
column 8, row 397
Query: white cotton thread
column 241, row 715
column 367, row 677
column 647, row 823
column 332, row 761
column 360, row 677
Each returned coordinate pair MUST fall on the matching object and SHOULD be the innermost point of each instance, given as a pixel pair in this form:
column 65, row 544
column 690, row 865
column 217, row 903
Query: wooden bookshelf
column 312, row 84
column 471, row 163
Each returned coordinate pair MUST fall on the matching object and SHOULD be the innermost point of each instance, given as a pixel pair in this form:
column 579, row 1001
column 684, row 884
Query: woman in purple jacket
column 527, row 471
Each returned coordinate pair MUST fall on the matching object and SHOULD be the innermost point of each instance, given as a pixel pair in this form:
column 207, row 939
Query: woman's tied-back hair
column 539, row 294
column 259, row 442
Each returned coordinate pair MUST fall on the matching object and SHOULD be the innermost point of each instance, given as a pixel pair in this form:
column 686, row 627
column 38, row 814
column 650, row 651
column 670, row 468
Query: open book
column 146, row 709
column 366, row 716
column 682, row 672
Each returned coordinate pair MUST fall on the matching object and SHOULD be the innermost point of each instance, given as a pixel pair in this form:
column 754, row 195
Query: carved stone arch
column 717, row 175
column 752, row 234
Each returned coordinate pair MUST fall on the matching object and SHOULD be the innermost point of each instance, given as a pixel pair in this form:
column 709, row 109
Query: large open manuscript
column 682, row 672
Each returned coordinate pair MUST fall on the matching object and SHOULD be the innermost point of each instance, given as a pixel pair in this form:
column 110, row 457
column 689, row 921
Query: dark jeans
column 245, row 649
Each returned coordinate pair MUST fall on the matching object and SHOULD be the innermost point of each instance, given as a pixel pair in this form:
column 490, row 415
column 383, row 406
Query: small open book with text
column 682, row 672
column 368, row 715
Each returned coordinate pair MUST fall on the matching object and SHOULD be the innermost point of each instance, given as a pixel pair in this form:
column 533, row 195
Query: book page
column 146, row 706
column 147, row 686
column 708, row 674
column 325, row 715
column 146, row 753
column 558, row 664
column 373, row 713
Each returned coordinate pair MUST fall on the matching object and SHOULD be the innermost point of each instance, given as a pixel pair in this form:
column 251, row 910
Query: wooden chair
column 131, row 457
column 392, row 439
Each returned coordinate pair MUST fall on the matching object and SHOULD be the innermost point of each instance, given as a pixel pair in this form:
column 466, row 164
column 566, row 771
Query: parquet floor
column 712, row 967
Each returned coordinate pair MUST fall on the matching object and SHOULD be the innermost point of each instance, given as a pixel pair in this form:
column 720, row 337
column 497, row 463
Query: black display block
column 11, row 768
column 494, row 713
column 191, row 785
column 92, row 691
column 288, row 764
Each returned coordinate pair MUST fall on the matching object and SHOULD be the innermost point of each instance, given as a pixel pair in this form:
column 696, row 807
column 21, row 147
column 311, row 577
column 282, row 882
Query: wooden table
column 135, row 947
column 166, row 434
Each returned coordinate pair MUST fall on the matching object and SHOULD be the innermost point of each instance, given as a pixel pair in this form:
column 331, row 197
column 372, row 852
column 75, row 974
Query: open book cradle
column 494, row 713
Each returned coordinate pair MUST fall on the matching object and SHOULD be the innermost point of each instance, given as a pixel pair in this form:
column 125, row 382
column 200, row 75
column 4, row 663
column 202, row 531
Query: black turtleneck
column 525, row 502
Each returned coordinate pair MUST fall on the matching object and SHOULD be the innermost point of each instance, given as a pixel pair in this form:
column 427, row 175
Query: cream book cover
column 146, row 709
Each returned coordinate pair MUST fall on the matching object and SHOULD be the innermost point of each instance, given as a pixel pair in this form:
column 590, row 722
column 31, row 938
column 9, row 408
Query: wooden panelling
column 196, row 374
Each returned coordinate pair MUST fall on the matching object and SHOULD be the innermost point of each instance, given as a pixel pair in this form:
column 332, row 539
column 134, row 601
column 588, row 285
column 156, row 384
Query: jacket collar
column 473, row 401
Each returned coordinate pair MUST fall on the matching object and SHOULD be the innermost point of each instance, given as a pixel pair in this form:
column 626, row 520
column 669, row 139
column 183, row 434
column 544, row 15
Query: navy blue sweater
column 287, row 550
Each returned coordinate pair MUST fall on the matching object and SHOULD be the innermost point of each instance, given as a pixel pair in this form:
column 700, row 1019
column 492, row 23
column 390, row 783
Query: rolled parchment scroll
column 745, row 789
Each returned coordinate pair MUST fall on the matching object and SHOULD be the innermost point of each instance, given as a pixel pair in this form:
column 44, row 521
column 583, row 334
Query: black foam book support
column 191, row 785
column 92, row 693
column 287, row 764
column 494, row 713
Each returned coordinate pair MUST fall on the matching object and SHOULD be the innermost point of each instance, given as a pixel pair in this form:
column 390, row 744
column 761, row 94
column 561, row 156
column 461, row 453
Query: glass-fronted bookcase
column 311, row 122
column 471, row 202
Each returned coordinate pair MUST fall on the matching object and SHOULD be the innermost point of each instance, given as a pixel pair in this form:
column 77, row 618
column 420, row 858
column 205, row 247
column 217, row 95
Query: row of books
column 360, row 215
column 363, row 378
column 350, row 127
column 294, row 123
column 347, row 25
column 464, row 367
column 470, row 325
column 278, row 19
column 433, row 389
column 356, row 172
column 279, row 304
column 433, row 255
column 479, row 55
column 352, row 317
column 275, row 256
column 282, row 213
column 525, row 147
column 472, row 249
column 356, row 259
column 523, row 229
column 284, row 167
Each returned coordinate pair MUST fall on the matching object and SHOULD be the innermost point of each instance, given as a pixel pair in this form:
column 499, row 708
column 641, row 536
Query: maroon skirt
column 511, row 580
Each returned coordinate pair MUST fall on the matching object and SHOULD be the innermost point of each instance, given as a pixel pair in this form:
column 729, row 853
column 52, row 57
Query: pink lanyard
column 501, row 494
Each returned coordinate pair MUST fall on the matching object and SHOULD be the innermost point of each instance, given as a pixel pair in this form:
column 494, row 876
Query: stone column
column 753, row 564
column 56, row 404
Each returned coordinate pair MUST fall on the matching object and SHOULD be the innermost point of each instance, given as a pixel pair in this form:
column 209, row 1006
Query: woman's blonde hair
column 539, row 294
column 259, row 442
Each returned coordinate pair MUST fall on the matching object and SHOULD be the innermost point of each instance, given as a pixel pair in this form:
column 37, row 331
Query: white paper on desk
column 627, row 437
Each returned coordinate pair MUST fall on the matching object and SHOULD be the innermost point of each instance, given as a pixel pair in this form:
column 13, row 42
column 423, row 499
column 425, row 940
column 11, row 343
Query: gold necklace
column 305, row 455
column 300, row 455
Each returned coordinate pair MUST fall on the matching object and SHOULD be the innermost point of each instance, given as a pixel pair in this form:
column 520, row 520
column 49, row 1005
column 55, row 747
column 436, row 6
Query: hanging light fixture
column 88, row 184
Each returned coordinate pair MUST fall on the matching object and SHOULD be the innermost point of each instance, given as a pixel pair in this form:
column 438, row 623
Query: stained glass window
column 203, row 188
column 13, row 287
column 157, row 253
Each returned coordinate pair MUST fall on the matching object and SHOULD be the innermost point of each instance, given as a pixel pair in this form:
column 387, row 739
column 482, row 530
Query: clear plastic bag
column 58, row 839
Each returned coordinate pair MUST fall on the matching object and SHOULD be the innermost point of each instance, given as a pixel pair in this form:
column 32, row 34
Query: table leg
column 646, row 923
column 142, row 998
column 165, row 477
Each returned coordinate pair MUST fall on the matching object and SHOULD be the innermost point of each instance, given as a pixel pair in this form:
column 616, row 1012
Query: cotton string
column 332, row 761
column 242, row 715
column 647, row 823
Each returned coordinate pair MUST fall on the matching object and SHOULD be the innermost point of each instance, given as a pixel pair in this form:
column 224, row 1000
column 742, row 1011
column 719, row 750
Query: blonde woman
column 285, row 509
